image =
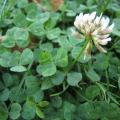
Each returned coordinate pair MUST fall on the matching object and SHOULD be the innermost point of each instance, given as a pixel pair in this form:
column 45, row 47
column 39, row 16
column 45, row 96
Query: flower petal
column 92, row 16
column 105, row 23
column 100, row 48
column 110, row 28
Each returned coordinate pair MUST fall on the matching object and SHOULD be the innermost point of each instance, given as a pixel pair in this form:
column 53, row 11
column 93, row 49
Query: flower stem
column 78, row 56
column 105, row 6
column 71, row 66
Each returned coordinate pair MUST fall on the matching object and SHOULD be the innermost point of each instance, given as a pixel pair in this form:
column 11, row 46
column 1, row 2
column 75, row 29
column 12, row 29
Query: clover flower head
column 94, row 27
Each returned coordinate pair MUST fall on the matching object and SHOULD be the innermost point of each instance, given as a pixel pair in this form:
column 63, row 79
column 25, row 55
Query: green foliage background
column 36, row 52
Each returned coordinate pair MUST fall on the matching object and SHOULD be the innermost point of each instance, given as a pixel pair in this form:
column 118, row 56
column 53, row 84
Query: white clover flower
column 96, row 28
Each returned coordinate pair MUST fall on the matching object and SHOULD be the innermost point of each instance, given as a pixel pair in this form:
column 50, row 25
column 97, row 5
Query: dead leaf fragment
column 56, row 4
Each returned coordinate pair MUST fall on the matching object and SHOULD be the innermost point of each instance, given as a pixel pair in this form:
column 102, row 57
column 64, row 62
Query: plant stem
column 102, row 88
column 82, row 96
column 105, row 6
column 26, row 73
column 78, row 56
column 72, row 64
column 113, row 46
column 59, row 93
column 4, row 3
column 107, row 78
column 40, row 6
